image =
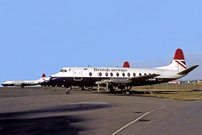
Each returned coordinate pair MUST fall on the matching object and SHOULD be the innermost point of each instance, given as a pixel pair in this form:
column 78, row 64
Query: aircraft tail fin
column 178, row 62
column 126, row 64
column 43, row 75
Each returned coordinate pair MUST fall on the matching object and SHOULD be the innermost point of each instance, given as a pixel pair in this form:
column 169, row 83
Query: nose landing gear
column 67, row 90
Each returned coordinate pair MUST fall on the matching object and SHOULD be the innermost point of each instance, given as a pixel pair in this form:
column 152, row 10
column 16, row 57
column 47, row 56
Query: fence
column 170, row 87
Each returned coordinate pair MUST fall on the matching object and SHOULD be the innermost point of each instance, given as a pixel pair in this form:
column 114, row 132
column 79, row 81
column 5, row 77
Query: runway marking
column 127, row 125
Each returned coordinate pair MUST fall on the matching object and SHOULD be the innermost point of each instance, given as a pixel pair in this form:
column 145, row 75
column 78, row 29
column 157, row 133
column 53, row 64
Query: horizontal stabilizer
column 188, row 70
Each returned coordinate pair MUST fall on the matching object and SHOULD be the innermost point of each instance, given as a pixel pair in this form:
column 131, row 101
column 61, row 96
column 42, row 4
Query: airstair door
column 77, row 75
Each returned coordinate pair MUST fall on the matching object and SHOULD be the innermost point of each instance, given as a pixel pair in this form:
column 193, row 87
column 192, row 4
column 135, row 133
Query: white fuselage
column 87, row 76
column 19, row 83
column 103, row 72
column 23, row 83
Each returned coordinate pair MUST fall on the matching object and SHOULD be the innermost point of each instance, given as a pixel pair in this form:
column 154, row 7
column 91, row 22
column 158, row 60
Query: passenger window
column 123, row 74
column 111, row 74
column 100, row 74
column 140, row 74
column 128, row 74
column 134, row 74
column 145, row 74
column 106, row 74
column 117, row 74
column 90, row 74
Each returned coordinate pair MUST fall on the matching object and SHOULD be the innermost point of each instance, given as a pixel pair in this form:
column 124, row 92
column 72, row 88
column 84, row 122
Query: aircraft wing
column 143, row 78
column 126, row 80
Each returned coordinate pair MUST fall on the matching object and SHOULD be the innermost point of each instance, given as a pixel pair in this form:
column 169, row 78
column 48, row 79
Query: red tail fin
column 179, row 58
column 179, row 55
column 126, row 64
column 178, row 62
column 43, row 75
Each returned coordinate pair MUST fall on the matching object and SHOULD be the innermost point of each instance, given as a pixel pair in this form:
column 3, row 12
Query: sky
column 39, row 37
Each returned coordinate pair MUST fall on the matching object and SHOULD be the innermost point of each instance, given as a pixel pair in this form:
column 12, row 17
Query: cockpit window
column 63, row 70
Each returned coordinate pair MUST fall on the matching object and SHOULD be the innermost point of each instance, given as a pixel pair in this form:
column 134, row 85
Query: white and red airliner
column 25, row 83
column 123, row 78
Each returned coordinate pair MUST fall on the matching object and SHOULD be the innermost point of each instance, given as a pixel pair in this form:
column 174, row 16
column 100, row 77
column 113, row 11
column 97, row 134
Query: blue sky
column 43, row 36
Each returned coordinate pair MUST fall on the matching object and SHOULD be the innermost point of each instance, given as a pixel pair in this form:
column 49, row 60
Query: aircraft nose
column 53, row 79
column 3, row 84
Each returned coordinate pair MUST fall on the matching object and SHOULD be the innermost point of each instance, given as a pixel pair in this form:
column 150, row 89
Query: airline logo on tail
column 179, row 58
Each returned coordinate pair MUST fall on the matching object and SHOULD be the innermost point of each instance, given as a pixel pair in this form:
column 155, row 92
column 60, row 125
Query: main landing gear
column 112, row 89
column 124, row 89
column 127, row 90
column 89, row 88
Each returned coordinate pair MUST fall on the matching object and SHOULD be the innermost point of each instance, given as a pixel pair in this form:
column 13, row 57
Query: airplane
column 174, row 82
column 25, row 83
column 123, row 78
column 199, row 82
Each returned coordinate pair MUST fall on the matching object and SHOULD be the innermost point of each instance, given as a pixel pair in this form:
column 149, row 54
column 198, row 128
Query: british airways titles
column 110, row 70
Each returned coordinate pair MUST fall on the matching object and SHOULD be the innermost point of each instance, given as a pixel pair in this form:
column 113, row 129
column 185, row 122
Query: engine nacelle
column 121, row 81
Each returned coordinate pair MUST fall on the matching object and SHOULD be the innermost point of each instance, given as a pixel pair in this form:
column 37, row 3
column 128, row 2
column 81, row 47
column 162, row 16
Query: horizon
column 44, row 36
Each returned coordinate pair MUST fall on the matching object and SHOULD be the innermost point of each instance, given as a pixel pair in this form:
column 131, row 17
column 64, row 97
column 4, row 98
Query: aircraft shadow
column 18, row 123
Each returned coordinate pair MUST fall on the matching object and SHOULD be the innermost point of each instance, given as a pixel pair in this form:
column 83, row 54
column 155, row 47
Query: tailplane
column 184, row 72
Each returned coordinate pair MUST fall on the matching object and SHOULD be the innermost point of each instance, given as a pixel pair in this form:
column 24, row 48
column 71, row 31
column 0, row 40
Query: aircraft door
column 77, row 75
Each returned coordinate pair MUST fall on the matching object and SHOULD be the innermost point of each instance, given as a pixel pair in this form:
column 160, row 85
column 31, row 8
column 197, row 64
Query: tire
column 68, row 92
column 127, row 92
column 112, row 91
column 90, row 89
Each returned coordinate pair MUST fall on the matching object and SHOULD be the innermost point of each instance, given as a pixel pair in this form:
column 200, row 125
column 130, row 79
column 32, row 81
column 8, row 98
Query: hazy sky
column 43, row 36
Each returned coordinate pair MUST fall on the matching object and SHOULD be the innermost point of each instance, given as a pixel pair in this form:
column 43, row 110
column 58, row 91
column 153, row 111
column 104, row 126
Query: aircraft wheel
column 67, row 92
column 127, row 92
column 90, row 89
column 112, row 90
column 83, row 88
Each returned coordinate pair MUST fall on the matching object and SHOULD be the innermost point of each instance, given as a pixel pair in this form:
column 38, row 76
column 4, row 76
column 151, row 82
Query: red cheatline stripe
column 181, row 64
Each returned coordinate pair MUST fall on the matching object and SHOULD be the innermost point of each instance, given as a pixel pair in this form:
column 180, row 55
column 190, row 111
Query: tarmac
column 37, row 111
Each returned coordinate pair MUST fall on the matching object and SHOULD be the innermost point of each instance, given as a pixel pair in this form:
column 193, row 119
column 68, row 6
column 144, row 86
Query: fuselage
column 19, row 83
column 88, row 76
